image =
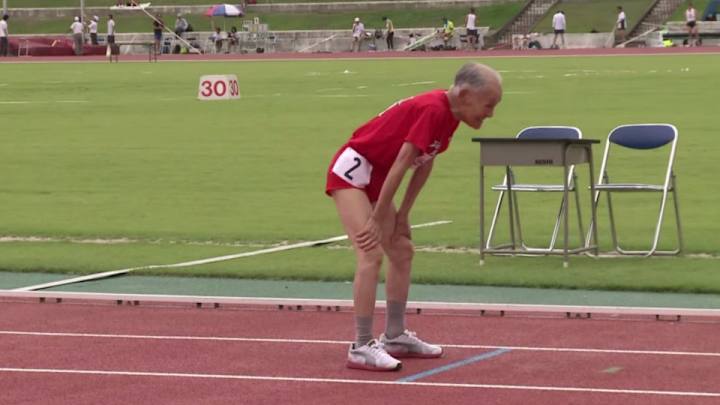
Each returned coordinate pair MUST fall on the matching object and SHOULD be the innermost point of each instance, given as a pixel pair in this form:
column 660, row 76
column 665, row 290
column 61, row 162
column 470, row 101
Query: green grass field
column 493, row 16
column 101, row 151
column 700, row 6
column 585, row 15
column 108, row 3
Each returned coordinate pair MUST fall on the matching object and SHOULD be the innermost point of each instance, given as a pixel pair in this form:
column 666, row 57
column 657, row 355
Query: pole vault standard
column 178, row 37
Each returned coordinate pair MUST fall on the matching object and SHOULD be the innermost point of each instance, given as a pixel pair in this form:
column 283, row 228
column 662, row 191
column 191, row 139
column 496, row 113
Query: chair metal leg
column 558, row 222
column 579, row 218
column 613, row 230
column 658, row 228
column 516, row 204
column 488, row 244
column 511, row 208
column 677, row 215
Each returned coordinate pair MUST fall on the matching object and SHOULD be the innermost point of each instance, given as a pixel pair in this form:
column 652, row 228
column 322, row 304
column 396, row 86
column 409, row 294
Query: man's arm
column 405, row 159
column 370, row 236
column 417, row 181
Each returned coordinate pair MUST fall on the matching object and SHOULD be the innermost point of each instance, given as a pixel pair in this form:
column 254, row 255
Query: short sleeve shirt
column 425, row 120
column 77, row 28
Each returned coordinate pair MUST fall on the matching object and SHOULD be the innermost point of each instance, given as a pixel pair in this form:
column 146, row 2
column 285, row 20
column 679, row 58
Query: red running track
column 89, row 354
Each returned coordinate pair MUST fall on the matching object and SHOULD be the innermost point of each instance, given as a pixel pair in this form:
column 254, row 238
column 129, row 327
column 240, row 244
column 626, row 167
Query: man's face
column 476, row 105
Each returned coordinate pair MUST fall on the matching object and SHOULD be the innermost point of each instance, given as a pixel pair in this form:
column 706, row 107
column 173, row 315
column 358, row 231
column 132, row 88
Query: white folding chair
column 641, row 137
column 540, row 132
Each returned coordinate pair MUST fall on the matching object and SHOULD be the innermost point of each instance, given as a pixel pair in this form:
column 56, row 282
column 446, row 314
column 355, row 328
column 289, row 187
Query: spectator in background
column 448, row 31
column 691, row 23
column 358, row 33
column 232, row 40
column 621, row 25
column 110, row 30
column 158, row 26
column 93, row 28
column 4, row 45
column 558, row 23
column 471, row 32
column 217, row 39
column 389, row 33
column 77, row 29
column 181, row 25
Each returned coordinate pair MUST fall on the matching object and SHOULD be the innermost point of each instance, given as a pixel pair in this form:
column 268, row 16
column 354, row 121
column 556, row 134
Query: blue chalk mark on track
column 447, row 367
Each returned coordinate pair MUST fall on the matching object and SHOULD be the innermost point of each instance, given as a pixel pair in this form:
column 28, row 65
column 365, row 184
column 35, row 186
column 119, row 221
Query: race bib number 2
column 353, row 168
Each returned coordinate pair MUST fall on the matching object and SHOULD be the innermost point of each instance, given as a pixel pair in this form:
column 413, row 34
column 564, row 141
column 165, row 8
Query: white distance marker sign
column 218, row 87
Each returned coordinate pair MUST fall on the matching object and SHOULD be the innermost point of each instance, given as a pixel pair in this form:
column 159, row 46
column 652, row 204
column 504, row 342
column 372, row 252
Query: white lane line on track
column 42, row 102
column 342, row 342
column 365, row 382
column 414, row 83
column 341, row 95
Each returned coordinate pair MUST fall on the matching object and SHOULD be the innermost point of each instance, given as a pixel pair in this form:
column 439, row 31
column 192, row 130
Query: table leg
column 482, row 214
column 593, row 206
column 566, row 198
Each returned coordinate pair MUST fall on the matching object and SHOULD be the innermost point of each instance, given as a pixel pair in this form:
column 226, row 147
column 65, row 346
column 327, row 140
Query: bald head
column 476, row 76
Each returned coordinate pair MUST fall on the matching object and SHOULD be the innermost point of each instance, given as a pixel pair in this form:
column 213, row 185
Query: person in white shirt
column 93, row 27
column 181, row 25
column 110, row 30
column 471, row 32
column 691, row 23
column 4, row 46
column 620, row 25
column 358, row 33
column 558, row 23
column 77, row 29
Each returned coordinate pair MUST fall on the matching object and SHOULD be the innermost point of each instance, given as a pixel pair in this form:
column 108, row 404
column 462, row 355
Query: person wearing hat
column 77, row 32
column 358, row 32
column 93, row 27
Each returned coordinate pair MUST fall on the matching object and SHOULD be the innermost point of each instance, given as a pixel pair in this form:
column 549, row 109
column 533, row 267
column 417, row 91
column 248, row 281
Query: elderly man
column 363, row 178
column 77, row 29
column 358, row 34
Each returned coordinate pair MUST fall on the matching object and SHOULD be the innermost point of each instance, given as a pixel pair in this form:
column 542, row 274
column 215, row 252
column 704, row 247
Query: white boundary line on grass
column 352, row 381
column 323, row 303
column 346, row 342
column 113, row 273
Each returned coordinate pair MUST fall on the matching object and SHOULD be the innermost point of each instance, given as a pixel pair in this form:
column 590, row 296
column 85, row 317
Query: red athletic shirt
column 424, row 120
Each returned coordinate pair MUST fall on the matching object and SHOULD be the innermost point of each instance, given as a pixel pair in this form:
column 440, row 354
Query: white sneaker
column 371, row 356
column 409, row 345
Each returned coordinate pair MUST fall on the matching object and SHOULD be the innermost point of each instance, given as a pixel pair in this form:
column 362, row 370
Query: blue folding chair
column 541, row 132
column 641, row 137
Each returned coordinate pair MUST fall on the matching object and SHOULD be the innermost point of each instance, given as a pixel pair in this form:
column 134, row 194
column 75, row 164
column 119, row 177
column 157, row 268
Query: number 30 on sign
column 218, row 87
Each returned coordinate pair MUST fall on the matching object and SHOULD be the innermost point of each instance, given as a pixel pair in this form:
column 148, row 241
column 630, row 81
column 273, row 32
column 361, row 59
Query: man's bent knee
column 371, row 259
column 400, row 249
